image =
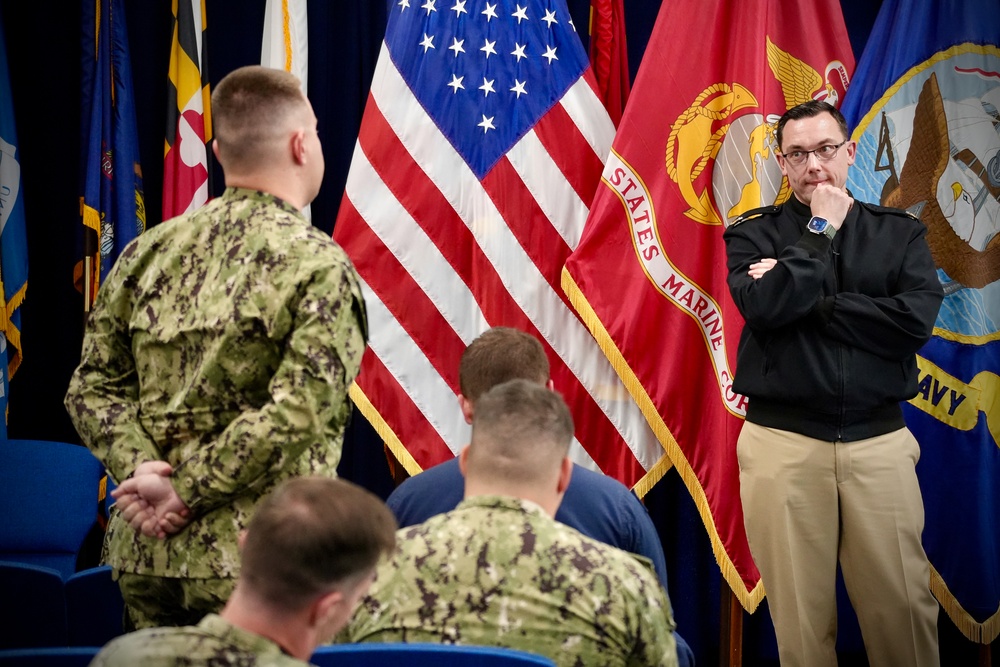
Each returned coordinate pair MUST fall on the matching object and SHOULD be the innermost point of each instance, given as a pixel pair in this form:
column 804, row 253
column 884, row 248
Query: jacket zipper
column 840, row 351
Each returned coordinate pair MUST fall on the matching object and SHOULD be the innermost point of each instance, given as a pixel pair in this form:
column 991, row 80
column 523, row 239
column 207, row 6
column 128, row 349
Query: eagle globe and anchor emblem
column 717, row 132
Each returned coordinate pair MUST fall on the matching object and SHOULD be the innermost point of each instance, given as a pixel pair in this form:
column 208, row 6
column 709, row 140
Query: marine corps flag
column 187, row 158
column 925, row 108
column 649, row 275
column 480, row 149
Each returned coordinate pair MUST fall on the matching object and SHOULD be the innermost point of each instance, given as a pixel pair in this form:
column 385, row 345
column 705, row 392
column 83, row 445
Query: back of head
column 313, row 535
column 809, row 110
column 498, row 355
column 521, row 432
column 252, row 109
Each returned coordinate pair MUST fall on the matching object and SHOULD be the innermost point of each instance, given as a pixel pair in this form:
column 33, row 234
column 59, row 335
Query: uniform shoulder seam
column 889, row 210
column 755, row 213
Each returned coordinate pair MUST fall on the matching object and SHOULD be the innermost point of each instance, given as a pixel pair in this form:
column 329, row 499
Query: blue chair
column 424, row 655
column 94, row 607
column 32, row 606
column 76, row 656
column 48, row 499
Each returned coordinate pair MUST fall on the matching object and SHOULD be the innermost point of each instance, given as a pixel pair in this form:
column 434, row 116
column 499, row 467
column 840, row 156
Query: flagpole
column 86, row 283
column 731, row 630
column 90, row 254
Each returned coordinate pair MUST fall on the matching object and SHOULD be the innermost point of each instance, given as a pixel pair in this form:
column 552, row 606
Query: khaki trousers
column 808, row 502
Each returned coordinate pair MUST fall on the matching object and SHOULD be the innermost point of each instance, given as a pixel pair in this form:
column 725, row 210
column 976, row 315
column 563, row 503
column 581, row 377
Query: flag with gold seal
column 696, row 149
column 925, row 108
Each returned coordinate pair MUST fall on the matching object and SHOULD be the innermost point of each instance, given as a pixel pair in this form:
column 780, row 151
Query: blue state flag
column 13, row 239
column 112, row 204
column 925, row 105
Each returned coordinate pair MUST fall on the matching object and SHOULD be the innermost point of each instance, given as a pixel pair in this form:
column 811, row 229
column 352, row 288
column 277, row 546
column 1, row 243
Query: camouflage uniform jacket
column 498, row 571
column 214, row 642
column 222, row 342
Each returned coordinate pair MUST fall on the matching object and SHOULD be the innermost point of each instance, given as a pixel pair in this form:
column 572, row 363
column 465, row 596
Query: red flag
column 695, row 150
column 609, row 55
column 187, row 159
column 479, row 152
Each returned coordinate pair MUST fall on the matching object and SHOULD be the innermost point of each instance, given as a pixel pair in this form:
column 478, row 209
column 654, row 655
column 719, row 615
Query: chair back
column 75, row 656
column 32, row 606
column 424, row 655
column 48, row 498
column 94, row 607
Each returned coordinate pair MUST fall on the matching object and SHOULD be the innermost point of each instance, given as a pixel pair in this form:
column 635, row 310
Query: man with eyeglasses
column 838, row 295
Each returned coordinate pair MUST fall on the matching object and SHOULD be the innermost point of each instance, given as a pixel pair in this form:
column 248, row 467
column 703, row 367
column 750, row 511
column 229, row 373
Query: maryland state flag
column 112, row 204
column 695, row 149
column 186, row 159
column 925, row 105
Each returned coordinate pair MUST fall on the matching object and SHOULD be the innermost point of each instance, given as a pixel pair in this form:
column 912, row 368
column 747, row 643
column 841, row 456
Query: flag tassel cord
column 749, row 599
column 12, row 332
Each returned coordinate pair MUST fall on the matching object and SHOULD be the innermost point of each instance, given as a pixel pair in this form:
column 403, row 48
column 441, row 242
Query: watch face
column 817, row 224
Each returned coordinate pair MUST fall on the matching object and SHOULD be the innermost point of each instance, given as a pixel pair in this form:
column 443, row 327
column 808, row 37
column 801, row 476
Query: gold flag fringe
column 385, row 432
column 974, row 631
column 750, row 599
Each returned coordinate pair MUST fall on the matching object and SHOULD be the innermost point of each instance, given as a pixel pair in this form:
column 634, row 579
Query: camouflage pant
column 152, row 602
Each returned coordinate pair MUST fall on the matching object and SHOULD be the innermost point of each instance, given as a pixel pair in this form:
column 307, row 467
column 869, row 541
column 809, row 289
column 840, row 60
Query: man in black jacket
column 838, row 296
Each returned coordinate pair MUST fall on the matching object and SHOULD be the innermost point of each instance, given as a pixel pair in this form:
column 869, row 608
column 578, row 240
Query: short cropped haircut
column 808, row 110
column 312, row 535
column 498, row 355
column 521, row 432
column 251, row 108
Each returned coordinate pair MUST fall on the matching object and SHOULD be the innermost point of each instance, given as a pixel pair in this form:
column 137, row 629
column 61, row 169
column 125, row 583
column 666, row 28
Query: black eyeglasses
column 825, row 153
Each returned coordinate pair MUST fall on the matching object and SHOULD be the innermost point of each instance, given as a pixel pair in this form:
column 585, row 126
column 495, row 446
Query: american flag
column 480, row 149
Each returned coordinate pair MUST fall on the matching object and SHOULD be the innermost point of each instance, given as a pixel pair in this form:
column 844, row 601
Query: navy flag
column 925, row 105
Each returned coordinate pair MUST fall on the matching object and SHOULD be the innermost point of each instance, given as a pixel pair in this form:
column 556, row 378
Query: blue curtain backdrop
column 43, row 41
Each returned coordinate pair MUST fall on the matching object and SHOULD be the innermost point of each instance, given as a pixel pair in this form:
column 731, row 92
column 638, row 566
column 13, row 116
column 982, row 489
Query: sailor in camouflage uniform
column 498, row 570
column 218, row 356
column 308, row 557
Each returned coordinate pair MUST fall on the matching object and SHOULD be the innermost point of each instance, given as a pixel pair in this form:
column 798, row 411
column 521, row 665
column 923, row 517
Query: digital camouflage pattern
column 498, row 571
column 213, row 642
column 222, row 342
